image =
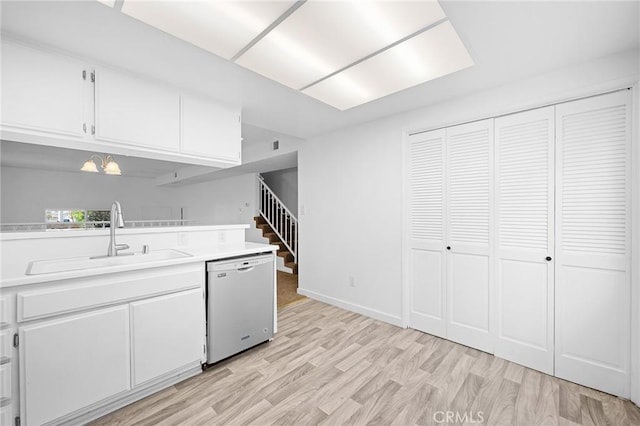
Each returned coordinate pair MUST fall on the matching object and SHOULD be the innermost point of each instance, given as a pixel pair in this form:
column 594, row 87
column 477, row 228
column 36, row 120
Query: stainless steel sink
column 37, row 267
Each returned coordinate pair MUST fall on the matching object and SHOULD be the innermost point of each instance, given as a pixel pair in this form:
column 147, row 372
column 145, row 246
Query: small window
column 56, row 219
column 76, row 218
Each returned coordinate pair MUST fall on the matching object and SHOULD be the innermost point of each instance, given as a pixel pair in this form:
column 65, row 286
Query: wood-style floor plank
column 327, row 366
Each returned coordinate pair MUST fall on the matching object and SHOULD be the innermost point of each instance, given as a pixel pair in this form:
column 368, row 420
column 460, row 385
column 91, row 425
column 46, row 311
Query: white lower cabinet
column 70, row 363
column 87, row 343
column 167, row 333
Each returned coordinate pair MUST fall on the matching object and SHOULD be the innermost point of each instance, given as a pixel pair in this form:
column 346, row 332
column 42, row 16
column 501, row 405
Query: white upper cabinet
column 133, row 111
column 210, row 129
column 56, row 100
column 42, row 91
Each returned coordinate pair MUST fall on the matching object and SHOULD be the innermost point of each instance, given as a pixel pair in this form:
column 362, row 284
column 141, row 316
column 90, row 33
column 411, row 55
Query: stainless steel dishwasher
column 240, row 304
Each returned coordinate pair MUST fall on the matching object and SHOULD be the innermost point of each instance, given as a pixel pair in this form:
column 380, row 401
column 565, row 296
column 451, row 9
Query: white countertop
column 73, row 233
column 197, row 254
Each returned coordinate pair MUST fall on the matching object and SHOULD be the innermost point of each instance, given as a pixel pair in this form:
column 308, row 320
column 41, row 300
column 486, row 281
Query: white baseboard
column 359, row 309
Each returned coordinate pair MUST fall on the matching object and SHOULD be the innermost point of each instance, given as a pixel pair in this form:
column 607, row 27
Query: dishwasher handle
column 246, row 269
column 239, row 263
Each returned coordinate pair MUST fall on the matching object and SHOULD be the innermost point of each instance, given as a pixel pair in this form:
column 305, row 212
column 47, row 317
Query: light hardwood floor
column 332, row 367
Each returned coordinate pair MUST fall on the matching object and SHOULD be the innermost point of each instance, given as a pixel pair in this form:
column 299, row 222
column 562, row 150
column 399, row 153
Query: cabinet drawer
column 90, row 293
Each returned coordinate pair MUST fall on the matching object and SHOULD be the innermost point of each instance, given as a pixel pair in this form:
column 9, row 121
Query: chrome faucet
column 116, row 220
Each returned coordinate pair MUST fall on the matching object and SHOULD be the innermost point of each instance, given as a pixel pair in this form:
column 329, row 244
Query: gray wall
column 284, row 183
column 26, row 193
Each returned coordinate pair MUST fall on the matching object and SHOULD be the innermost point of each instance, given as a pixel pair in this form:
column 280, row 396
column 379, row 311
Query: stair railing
column 279, row 218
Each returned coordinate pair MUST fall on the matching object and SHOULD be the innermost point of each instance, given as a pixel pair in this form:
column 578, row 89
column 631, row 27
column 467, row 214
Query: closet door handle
column 548, row 258
column 448, row 247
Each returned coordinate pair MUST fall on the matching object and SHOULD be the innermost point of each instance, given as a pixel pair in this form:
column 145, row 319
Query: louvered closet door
column 524, row 176
column 593, row 247
column 469, row 227
column 426, row 194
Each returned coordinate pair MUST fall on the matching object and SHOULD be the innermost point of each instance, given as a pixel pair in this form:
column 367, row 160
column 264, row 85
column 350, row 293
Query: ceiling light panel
column 222, row 27
column 432, row 54
column 109, row 3
column 322, row 37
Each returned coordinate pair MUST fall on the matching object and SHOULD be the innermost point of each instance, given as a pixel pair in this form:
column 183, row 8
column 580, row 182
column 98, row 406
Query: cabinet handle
column 548, row 258
column 448, row 247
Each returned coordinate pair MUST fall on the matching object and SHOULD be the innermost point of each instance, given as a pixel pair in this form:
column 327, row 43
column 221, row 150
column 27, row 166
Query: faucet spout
column 116, row 220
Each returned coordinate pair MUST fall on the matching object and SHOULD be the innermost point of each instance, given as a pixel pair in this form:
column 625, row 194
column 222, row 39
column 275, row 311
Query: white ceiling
column 508, row 41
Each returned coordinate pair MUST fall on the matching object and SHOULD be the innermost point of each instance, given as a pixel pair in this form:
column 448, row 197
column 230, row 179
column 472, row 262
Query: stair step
column 265, row 228
column 259, row 220
column 286, row 256
column 293, row 266
column 273, row 238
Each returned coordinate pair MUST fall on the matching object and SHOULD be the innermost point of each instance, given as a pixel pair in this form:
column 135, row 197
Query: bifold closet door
column 426, row 258
column 593, row 242
column 524, row 175
column 469, row 225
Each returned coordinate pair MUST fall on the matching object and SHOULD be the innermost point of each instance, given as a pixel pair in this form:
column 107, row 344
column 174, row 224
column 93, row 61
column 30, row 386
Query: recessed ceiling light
column 429, row 55
column 222, row 27
column 321, row 37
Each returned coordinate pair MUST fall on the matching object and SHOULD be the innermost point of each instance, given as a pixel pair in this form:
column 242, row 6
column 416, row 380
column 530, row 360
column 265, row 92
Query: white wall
column 350, row 219
column 260, row 146
column 284, row 183
column 220, row 202
column 350, row 185
column 26, row 193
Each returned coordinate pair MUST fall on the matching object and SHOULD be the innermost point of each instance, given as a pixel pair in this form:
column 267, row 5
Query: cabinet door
column 427, row 247
column 210, row 129
column 133, row 111
column 42, row 92
column 70, row 363
column 524, row 238
column 469, row 234
column 593, row 248
column 168, row 333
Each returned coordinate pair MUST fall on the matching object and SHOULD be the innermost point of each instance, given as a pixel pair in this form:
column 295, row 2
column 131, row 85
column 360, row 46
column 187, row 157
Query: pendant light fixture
column 108, row 164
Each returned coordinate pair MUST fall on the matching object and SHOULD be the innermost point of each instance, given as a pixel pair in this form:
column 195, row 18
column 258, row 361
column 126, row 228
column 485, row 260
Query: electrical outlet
column 352, row 281
column 222, row 236
column 183, row 239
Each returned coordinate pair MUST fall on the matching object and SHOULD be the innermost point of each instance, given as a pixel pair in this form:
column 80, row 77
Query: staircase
column 279, row 226
column 288, row 263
